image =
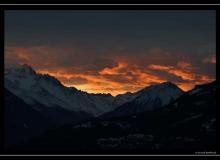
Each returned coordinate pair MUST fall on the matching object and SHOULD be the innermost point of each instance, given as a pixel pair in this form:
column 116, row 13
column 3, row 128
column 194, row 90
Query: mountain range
column 185, row 126
column 44, row 109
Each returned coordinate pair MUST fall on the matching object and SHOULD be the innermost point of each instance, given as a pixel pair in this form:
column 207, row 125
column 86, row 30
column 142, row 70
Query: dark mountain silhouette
column 22, row 121
column 186, row 125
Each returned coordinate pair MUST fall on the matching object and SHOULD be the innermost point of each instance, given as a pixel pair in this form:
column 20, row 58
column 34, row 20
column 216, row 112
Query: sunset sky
column 114, row 51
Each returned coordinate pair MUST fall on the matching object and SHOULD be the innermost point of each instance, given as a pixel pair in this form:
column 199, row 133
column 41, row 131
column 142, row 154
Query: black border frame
column 3, row 151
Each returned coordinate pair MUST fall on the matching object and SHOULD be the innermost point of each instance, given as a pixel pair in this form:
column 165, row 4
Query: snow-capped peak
column 149, row 98
column 49, row 78
column 124, row 98
column 163, row 85
column 165, row 92
column 168, row 84
column 21, row 70
column 34, row 88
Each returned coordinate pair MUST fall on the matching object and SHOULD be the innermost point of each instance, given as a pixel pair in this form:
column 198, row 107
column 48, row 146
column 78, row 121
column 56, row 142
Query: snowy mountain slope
column 23, row 121
column 164, row 92
column 34, row 88
column 124, row 98
column 150, row 98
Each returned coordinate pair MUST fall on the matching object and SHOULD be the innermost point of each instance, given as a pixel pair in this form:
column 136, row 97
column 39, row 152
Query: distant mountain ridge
column 34, row 88
column 25, row 83
column 40, row 103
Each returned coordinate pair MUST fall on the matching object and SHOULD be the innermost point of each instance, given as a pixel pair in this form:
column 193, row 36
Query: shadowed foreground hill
column 186, row 125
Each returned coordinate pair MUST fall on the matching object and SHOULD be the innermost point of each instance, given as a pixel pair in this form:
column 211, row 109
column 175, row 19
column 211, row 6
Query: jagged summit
column 102, row 94
column 32, row 87
column 171, row 85
column 44, row 89
column 167, row 84
column 50, row 78
column 26, row 70
column 161, row 87
column 21, row 70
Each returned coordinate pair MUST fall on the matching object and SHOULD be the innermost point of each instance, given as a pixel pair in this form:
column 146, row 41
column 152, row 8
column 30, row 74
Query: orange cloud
column 159, row 67
column 182, row 74
column 124, row 77
column 116, row 80
column 145, row 78
column 211, row 60
column 115, row 76
column 115, row 70
column 186, row 86
column 94, row 84
column 184, row 71
column 184, row 65
column 133, row 74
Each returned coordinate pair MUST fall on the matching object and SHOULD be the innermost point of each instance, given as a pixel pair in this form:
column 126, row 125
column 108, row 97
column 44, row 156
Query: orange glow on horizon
column 130, row 74
column 185, row 86
column 101, row 84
